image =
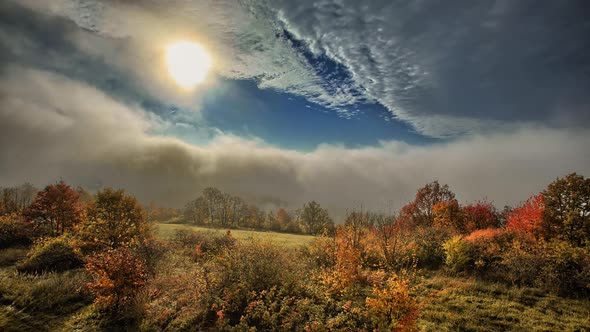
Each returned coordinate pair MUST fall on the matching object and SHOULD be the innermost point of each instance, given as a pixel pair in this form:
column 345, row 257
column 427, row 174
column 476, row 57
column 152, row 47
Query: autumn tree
column 191, row 212
column 216, row 208
column 392, row 235
column 420, row 211
column 448, row 215
column 115, row 220
column 56, row 207
column 237, row 210
column 480, row 215
column 159, row 213
column 528, row 217
column 282, row 219
column 212, row 206
column 315, row 218
column 357, row 223
column 117, row 277
column 347, row 267
column 567, row 209
column 15, row 200
column 85, row 197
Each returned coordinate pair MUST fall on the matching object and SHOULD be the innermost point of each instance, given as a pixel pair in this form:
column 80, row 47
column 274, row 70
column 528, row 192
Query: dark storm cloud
column 445, row 67
column 524, row 61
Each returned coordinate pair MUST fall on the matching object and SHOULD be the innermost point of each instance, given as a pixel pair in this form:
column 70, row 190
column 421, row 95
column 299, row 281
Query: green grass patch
column 39, row 302
column 10, row 256
column 460, row 304
column 167, row 231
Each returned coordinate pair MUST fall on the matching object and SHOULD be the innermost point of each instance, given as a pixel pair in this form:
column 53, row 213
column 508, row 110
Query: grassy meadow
column 168, row 231
column 54, row 301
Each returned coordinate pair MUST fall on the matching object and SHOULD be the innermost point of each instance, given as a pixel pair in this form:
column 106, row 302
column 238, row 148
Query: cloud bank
column 52, row 127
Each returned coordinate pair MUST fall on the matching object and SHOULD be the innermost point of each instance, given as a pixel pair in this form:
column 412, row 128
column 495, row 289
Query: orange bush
column 448, row 215
column 346, row 272
column 117, row 276
column 392, row 306
column 486, row 248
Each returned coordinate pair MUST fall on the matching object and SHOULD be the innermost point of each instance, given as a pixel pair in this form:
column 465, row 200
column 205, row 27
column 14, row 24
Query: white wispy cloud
column 243, row 40
column 445, row 69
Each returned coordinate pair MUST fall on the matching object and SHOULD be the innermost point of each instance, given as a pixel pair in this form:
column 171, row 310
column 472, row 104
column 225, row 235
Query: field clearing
column 464, row 304
column 167, row 231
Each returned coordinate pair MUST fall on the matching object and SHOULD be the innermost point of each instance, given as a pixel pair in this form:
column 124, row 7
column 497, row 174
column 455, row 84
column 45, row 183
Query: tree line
column 217, row 209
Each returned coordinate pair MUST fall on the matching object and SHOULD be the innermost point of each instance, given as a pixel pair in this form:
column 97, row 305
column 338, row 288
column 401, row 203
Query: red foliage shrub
column 480, row 215
column 528, row 217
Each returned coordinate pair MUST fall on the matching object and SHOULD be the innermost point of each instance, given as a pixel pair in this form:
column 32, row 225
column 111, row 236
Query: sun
column 188, row 63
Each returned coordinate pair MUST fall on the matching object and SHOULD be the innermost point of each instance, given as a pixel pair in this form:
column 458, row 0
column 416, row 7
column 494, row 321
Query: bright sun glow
column 188, row 63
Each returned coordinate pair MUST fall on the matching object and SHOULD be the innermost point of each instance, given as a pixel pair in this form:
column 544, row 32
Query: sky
column 345, row 102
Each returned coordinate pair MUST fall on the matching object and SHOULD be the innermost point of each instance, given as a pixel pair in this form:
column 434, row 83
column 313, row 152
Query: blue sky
column 339, row 101
column 293, row 122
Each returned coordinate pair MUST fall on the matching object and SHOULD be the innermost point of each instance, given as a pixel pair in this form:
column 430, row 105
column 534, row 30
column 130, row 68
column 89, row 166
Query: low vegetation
column 105, row 264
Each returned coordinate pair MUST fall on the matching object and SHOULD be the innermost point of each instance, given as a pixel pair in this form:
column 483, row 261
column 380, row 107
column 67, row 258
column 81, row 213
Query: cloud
column 244, row 46
column 460, row 67
column 53, row 127
column 447, row 69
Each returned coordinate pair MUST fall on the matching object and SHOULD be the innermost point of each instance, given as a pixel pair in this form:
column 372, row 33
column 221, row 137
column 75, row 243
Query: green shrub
column 202, row 245
column 150, row 250
column 53, row 254
column 213, row 245
column 251, row 267
column 457, row 254
column 485, row 249
column 522, row 262
column 321, row 252
column 566, row 271
column 274, row 310
column 180, row 297
column 216, row 293
column 429, row 251
column 185, row 238
column 15, row 231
